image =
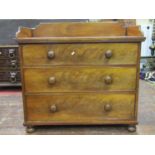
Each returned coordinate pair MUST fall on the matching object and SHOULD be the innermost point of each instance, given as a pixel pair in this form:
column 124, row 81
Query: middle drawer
column 76, row 79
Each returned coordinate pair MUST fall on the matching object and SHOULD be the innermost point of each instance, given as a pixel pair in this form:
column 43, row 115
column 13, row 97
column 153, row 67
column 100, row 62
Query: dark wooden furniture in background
column 80, row 73
column 9, row 66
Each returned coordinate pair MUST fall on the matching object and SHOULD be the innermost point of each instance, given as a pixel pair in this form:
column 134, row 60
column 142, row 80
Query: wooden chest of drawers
column 9, row 66
column 80, row 73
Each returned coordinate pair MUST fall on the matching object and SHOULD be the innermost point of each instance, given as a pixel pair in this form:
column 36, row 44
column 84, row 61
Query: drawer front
column 80, row 54
column 12, row 64
column 80, row 108
column 10, row 76
column 75, row 79
column 8, row 53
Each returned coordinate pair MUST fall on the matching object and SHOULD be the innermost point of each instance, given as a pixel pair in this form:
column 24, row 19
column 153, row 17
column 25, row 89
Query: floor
column 11, row 117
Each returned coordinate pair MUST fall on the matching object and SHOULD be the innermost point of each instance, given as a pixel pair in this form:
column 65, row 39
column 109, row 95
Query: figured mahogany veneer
column 80, row 54
column 79, row 79
column 80, row 107
column 80, row 73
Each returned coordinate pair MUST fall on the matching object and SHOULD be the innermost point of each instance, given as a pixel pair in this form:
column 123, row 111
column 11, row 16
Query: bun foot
column 132, row 128
column 30, row 129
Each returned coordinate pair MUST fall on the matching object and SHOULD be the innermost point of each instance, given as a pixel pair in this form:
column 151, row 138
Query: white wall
column 145, row 23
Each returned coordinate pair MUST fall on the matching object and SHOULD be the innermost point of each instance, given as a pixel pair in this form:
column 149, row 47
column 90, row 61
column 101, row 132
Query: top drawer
column 80, row 54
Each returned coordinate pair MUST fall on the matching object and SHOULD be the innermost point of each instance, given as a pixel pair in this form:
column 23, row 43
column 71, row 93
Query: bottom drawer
column 78, row 108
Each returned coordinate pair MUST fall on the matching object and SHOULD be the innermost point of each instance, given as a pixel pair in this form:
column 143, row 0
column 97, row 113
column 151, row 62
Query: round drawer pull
column 108, row 79
column 108, row 54
column 51, row 80
column 50, row 54
column 107, row 107
column 53, row 108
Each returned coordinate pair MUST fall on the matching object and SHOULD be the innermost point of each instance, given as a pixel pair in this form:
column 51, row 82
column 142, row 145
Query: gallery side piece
column 80, row 73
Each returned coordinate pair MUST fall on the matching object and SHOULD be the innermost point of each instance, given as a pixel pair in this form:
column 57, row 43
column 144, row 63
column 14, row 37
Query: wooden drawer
column 10, row 76
column 8, row 53
column 75, row 79
column 79, row 108
column 11, row 64
column 80, row 54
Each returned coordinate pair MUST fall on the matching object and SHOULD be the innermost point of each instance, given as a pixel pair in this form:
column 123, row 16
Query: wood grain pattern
column 24, row 32
column 78, row 29
column 104, row 39
column 80, row 108
column 79, row 32
column 80, row 54
column 134, row 30
column 137, row 81
column 77, row 79
column 72, row 29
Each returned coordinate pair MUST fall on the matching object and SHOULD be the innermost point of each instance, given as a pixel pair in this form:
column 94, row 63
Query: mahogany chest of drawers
column 80, row 73
column 9, row 66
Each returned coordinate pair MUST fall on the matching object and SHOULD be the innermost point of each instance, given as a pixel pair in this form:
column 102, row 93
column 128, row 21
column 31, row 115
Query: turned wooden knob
column 108, row 79
column 51, row 80
column 53, row 108
column 108, row 54
column 107, row 107
column 50, row 54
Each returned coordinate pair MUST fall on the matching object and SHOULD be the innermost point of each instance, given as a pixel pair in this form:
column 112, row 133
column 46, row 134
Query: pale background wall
column 146, row 27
